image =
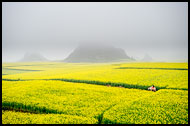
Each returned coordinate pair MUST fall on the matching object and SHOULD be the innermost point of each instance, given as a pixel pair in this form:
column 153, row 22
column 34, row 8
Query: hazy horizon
column 53, row 29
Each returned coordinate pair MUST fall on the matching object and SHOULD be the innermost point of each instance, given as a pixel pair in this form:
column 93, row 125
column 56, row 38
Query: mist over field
column 157, row 31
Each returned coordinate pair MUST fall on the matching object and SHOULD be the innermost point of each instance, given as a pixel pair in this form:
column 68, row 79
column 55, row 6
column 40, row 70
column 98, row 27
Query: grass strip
column 27, row 108
column 113, row 84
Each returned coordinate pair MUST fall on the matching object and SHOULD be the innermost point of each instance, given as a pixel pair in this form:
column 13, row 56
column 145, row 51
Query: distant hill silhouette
column 33, row 57
column 96, row 53
column 147, row 58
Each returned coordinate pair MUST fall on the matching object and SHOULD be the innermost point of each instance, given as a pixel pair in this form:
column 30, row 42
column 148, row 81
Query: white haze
column 55, row 29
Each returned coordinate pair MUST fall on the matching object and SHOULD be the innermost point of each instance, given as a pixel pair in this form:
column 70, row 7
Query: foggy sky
column 54, row 29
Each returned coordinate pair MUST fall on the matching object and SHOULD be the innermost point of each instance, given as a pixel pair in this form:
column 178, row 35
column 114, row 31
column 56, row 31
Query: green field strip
column 151, row 68
column 19, row 107
column 5, row 79
column 27, row 108
column 124, row 85
column 106, row 83
column 21, row 69
column 114, row 84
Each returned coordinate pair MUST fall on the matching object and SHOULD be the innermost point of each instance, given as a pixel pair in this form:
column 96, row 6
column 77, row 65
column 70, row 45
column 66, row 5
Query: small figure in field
column 121, row 87
column 152, row 88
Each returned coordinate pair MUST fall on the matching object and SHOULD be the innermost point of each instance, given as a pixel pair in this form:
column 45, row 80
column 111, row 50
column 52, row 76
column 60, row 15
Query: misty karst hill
column 147, row 58
column 97, row 53
column 33, row 57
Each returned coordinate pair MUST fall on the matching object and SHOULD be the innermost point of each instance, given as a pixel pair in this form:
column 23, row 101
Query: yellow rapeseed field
column 84, row 93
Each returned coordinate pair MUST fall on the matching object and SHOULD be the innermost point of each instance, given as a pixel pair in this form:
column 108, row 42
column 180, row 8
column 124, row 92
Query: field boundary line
column 114, row 84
